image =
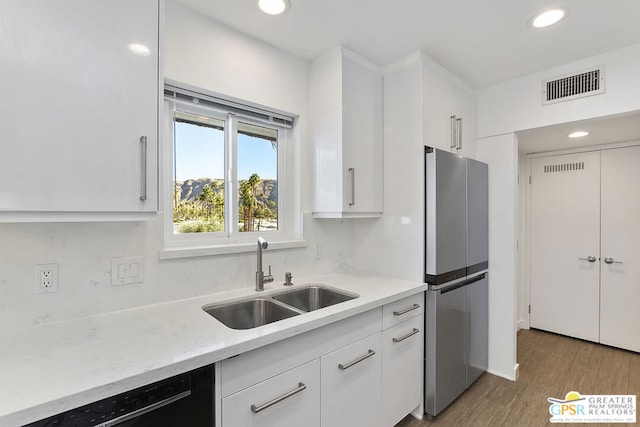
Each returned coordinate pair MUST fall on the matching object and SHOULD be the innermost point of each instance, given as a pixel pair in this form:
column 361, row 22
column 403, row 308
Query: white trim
column 219, row 243
column 26, row 216
column 346, row 215
column 523, row 323
column 232, row 248
column 511, row 377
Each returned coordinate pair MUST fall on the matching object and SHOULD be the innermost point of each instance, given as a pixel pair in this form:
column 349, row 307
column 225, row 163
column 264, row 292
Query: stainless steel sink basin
column 250, row 313
column 313, row 297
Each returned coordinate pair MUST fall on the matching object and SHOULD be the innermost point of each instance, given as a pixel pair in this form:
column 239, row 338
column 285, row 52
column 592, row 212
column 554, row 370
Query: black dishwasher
column 182, row 400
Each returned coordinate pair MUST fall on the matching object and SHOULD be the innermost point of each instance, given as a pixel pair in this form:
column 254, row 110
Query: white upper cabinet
column 79, row 109
column 449, row 111
column 345, row 123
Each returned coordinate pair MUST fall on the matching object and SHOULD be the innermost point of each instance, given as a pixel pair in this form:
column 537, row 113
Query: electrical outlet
column 46, row 278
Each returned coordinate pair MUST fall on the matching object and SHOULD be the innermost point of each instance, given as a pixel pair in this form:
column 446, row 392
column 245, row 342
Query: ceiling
column 481, row 41
column 603, row 130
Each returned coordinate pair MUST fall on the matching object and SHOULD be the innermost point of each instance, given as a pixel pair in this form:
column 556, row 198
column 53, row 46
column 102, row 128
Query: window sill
column 231, row 248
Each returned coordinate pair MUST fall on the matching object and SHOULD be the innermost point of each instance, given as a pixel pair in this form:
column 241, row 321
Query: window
column 227, row 164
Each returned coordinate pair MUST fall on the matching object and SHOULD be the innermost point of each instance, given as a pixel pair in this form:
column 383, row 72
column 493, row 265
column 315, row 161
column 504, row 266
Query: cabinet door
column 76, row 100
column 438, row 106
column 402, row 368
column 362, row 137
column 351, row 385
column 464, row 107
column 291, row 399
column 620, row 265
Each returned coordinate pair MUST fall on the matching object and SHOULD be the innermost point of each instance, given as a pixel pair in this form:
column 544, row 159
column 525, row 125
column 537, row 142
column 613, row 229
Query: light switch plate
column 128, row 270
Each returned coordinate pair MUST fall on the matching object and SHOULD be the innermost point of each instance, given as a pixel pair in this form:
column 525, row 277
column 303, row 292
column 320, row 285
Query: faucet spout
column 260, row 276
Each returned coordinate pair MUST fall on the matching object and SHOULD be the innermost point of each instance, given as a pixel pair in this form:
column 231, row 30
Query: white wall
column 501, row 153
column 393, row 245
column 204, row 53
column 517, row 104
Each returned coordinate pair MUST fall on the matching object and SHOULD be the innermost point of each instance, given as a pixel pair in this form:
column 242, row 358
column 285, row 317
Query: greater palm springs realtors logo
column 576, row 408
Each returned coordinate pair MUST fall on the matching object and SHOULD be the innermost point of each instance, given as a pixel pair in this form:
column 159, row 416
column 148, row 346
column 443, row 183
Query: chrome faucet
column 260, row 277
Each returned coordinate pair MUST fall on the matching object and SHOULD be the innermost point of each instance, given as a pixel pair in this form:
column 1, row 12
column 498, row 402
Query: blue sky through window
column 200, row 154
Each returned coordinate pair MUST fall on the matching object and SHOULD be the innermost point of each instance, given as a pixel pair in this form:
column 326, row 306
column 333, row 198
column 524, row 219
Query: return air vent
column 573, row 86
column 564, row 167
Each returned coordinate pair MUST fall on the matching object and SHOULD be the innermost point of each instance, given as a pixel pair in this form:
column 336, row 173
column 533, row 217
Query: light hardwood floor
column 550, row 366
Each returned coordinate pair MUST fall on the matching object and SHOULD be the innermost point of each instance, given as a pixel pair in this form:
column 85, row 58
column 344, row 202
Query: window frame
column 289, row 229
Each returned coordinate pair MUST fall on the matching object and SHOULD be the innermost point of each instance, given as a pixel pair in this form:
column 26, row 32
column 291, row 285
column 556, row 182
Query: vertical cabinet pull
column 352, row 179
column 454, row 139
column 143, row 168
column 255, row 409
column 345, row 366
column 459, row 133
column 404, row 337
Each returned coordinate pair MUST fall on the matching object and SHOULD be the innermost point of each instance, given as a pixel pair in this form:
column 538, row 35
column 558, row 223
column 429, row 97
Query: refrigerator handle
column 463, row 284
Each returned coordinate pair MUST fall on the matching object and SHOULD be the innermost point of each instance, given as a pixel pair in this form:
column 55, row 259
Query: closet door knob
column 610, row 260
column 590, row 258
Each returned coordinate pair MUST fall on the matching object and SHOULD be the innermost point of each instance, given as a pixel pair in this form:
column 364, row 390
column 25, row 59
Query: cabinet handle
column 143, row 168
column 352, row 175
column 255, row 409
column 358, row 360
column 406, row 310
column 404, row 337
column 609, row 260
column 459, row 133
column 454, row 138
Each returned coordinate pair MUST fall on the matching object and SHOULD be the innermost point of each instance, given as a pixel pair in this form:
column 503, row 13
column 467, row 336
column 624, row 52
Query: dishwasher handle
column 145, row 410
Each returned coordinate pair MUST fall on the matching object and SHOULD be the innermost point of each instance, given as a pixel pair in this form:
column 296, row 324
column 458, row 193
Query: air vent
column 564, row 167
column 573, row 86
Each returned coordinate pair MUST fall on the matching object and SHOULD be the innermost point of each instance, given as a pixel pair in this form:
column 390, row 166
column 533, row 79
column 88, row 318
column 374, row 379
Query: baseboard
column 512, row 377
column 523, row 324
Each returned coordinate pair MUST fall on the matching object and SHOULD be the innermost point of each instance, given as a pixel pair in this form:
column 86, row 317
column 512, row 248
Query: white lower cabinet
column 351, row 384
column 402, row 369
column 291, row 399
column 342, row 374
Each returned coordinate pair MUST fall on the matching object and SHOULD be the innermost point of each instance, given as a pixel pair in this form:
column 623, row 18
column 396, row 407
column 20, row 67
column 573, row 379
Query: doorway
column 584, row 259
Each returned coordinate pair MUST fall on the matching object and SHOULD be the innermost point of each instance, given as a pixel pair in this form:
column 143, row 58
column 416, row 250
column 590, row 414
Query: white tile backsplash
column 84, row 251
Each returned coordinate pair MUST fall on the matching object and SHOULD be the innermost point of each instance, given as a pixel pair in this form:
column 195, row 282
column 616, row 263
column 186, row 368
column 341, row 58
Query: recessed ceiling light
column 578, row 134
column 139, row 49
column 274, row 7
column 547, row 18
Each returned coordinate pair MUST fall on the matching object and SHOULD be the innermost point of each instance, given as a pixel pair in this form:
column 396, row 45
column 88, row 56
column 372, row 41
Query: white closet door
column 565, row 231
column 620, row 285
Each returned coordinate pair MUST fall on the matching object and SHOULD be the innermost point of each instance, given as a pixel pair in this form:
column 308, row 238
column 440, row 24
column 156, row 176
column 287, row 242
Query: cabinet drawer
column 351, row 384
column 399, row 311
column 402, row 368
column 265, row 362
column 291, row 399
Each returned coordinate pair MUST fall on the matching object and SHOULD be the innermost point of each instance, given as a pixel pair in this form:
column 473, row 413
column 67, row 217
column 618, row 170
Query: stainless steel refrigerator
column 456, row 263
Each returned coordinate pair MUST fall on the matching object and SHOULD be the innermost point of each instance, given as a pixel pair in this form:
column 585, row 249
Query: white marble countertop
column 55, row 367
